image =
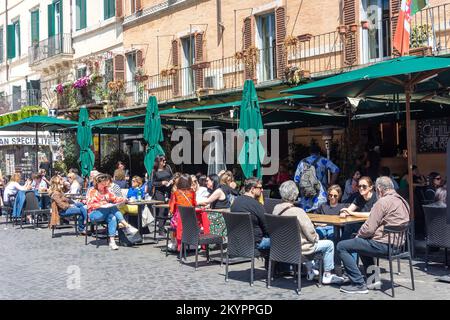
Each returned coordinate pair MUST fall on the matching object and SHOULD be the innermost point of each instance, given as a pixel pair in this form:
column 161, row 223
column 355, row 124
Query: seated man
column 248, row 203
column 390, row 210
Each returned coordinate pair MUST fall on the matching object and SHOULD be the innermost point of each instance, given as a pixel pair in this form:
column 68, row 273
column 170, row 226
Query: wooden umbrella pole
column 409, row 146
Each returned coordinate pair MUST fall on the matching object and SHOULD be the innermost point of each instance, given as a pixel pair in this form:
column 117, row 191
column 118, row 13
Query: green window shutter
column 11, row 41
column 61, row 15
column 51, row 20
column 34, row 26
column 109, row 8
column 83, row 20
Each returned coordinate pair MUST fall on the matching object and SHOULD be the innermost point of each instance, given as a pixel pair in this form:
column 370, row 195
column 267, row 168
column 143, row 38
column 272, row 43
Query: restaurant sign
column 432, row 135
column 27, row 140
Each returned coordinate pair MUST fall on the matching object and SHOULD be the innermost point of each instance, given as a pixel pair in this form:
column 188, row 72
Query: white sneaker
column 131, row 230
column 332, row 279
column 113, row 245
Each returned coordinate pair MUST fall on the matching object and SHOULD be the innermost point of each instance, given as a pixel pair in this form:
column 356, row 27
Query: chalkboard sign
column 432, row 135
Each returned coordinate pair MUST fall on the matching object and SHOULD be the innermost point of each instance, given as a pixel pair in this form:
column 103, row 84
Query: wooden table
column 141, row 205
column 338, row 223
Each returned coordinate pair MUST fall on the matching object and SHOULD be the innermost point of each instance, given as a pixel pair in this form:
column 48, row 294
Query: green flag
column 417, row 5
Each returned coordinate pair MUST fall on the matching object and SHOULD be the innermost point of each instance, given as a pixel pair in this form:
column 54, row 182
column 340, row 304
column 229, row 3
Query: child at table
column 183, row 195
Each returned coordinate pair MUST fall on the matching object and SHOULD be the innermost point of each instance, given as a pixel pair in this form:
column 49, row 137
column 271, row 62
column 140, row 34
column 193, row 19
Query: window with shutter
column 350, row 53
column 280, row 33
column 119, row 67
column 35, row 26
column 139, row 59
column 394, row 12
column 249, row 72
column 81, row 14
column 199, row 47
column 51, row 20
column 175, row 63
column 11, row 41
column 109, row 8
column 1, row 45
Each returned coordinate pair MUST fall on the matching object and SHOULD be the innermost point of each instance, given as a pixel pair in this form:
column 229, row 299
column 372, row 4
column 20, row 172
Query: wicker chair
column 31, row 208
column 286, row 245
column 437, row 230
column 270, row 203
column 241, row 240
column 192, row 235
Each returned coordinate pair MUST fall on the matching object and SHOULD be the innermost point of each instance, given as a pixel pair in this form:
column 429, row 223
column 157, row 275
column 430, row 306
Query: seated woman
column 119, row 178
column 38, row 184
column 440, row 197
column 133, row 193
column 351, row 187
column 435, row 183
column 360, row 207
column 184, row 195
column 310, row 239
column 66, row 206
column 218, row 199
column 75, row 187
column 332, row 207
column 13, row 187
column 228, row 185
column 199, row 187
column 101, row 204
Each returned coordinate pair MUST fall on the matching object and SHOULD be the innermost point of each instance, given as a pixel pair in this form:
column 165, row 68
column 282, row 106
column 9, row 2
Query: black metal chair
column 73, row 217
column 7, row 209
column 270, row 203
column 437, row 230
column 241, row 239
column 31, row 208
column 286, row 245
column 399, row 247
column 192, row 235
column 93, row 225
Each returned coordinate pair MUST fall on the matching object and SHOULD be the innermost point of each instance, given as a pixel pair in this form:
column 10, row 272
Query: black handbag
column 129, row 240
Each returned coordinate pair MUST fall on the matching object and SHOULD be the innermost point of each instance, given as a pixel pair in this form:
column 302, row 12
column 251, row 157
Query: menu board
column 432, row 135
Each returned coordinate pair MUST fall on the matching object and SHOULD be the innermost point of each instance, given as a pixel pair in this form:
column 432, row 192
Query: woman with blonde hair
column 67, row 207
column 75, row 187
column 13, row 187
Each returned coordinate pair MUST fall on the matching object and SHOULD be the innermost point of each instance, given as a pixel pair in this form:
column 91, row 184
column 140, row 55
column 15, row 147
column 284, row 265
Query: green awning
column 382, row 78
column 118, row 129
column 202, row 108
column 118, row 120
column 39, row 122
column 286, row 98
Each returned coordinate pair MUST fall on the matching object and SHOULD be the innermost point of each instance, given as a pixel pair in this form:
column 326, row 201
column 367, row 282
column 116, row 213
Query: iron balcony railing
column 53, row 46
column 146, row 12
column 20, row 99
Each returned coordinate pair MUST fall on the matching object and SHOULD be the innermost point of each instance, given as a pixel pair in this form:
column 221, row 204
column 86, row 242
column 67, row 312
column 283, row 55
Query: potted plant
column 291, row 41
column 140, row 75
column 342, row 29
column 353, row 27
column 420, row 38
column 365, row 24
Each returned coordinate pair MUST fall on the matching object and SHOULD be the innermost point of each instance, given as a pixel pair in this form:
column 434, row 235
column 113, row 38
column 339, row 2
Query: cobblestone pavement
column 34, row 266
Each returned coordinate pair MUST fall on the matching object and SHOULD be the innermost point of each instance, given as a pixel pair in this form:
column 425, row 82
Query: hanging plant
column 291, row 41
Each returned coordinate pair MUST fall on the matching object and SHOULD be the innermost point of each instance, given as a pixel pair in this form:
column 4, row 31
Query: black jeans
column 160, row 212
column 366, row 249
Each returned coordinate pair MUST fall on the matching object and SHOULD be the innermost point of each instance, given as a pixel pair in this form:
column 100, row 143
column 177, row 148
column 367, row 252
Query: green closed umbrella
column 251, row 126
column 152, row 134
column 84, row 139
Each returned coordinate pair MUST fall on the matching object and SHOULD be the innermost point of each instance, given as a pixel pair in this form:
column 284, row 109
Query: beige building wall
column 302, row 17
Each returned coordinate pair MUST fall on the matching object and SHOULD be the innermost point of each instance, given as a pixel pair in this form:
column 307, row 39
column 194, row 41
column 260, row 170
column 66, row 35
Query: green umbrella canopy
column 250, row 124
column 84, row 139
column 38, row 122
column 152, row 134
column 382, row 78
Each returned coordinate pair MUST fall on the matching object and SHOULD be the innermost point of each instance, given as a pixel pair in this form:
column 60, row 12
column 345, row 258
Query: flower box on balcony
column 365, row 24
column 201, row 65
column 353, row 27
column 140, row 78
column 342, row 29
column 421, row 51
column 305, row 37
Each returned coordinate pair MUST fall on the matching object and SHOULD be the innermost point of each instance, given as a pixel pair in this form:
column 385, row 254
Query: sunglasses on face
column 363, row 186
column 333, row 196
column 437, row 178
